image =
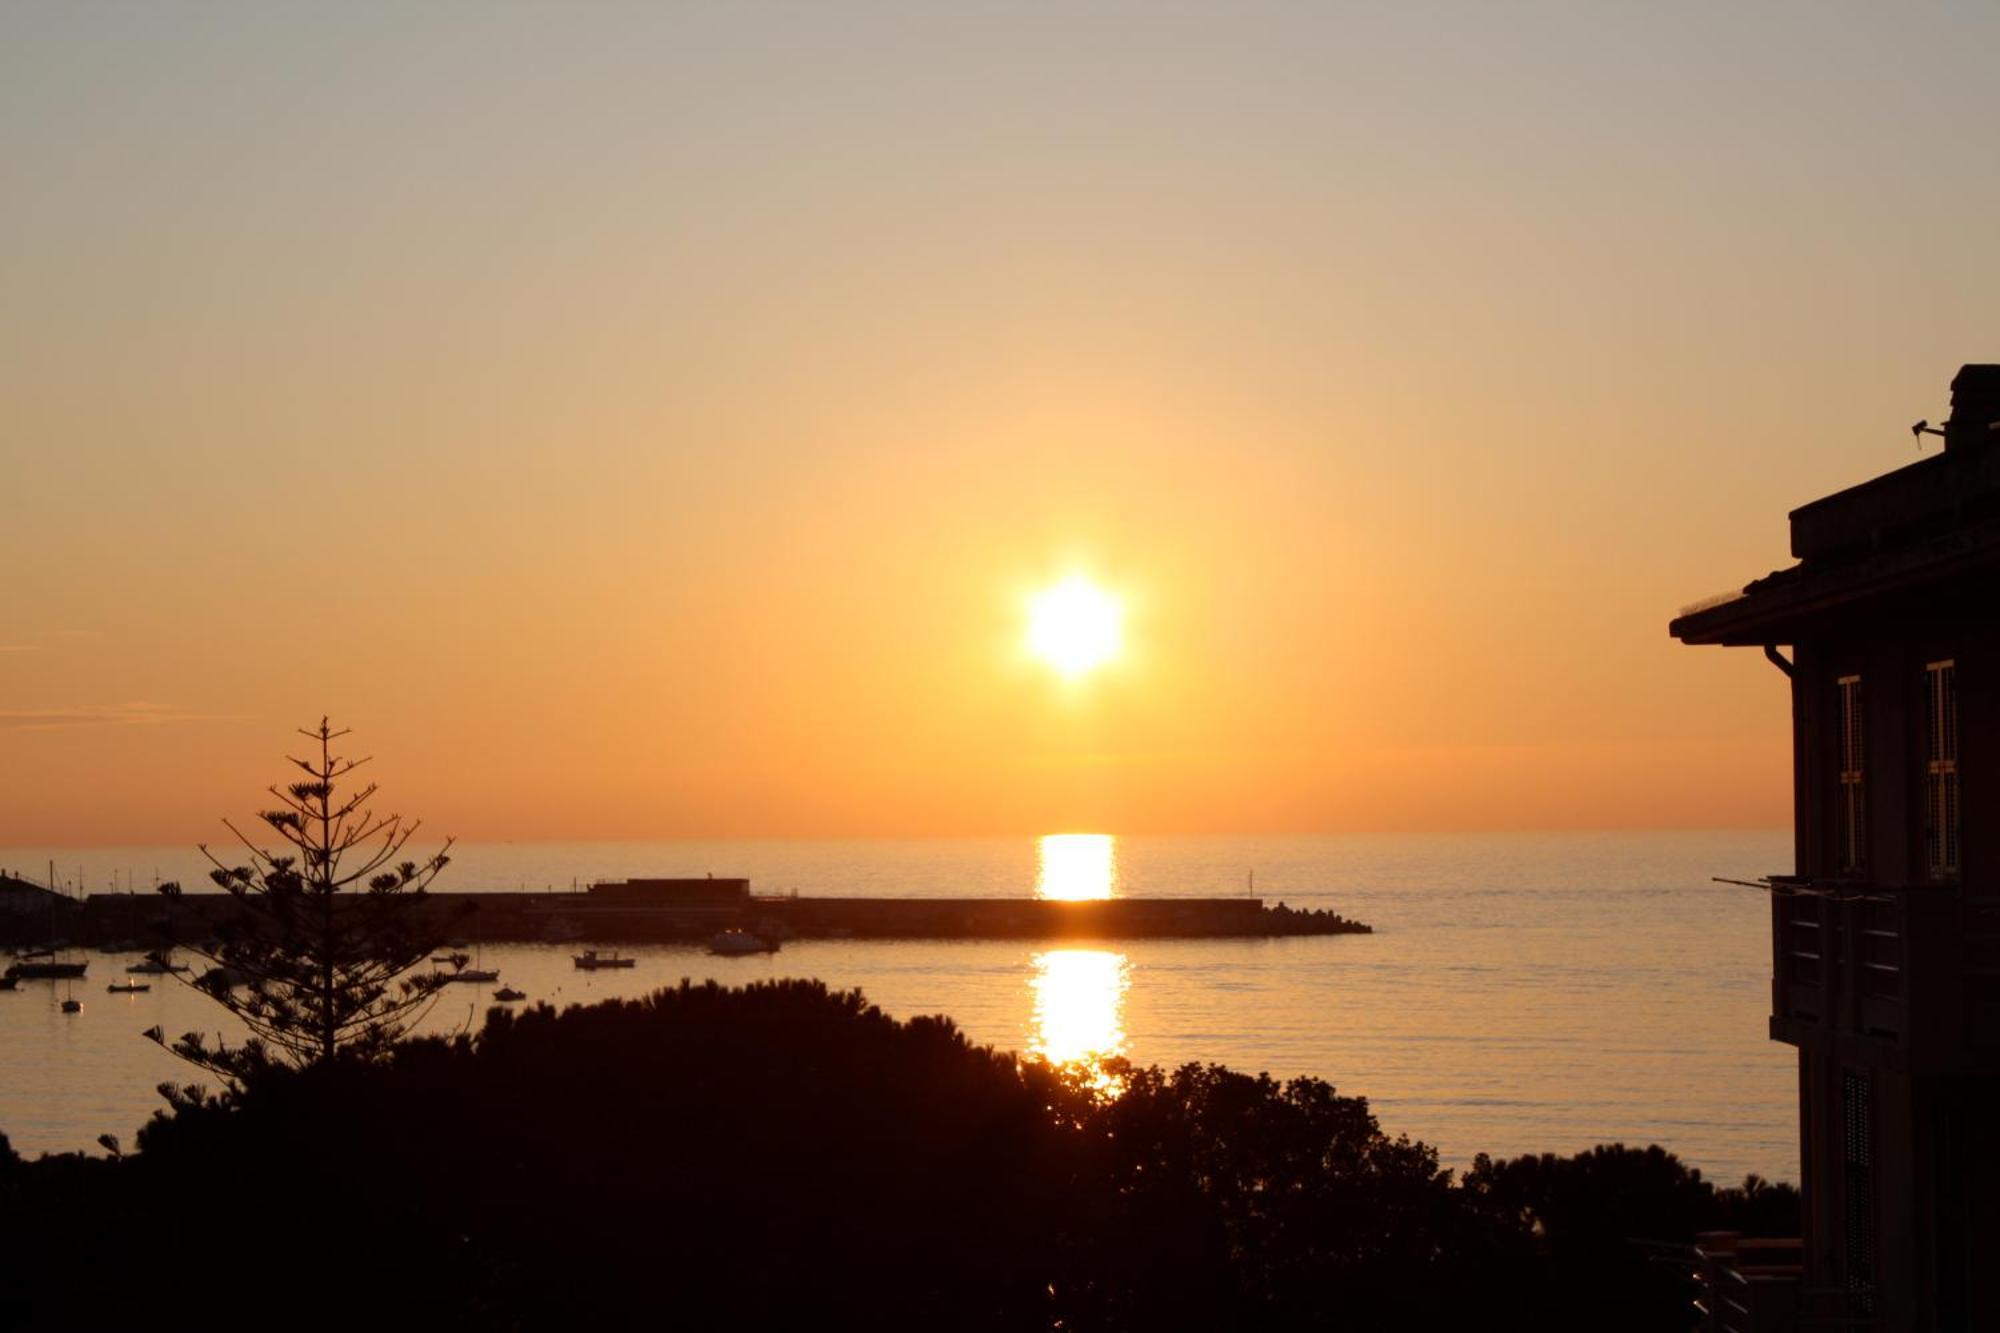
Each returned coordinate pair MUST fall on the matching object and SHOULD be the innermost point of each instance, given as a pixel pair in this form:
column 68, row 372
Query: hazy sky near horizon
column 643, row 421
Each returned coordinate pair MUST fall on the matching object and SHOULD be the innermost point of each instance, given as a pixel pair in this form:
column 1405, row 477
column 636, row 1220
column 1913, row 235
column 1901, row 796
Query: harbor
column 1561, row 925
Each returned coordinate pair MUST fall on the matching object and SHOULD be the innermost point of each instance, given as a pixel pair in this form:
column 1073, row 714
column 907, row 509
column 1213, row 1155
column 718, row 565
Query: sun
column 1075, row 626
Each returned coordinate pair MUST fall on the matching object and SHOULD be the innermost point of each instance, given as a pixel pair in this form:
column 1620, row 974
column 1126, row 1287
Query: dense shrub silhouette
column 771, row 1155
column 785, row 1156
column 1591, row 1214
column 1245, row 1203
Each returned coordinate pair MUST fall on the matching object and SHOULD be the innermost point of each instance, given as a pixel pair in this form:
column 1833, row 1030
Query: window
column 1853, row 809
column 1941, row 769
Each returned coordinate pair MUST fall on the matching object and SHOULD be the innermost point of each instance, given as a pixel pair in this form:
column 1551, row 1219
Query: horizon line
column 1566, row 831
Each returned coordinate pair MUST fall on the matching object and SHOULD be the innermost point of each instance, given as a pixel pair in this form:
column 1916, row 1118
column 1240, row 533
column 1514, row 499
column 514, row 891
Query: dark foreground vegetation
column 786, row 1156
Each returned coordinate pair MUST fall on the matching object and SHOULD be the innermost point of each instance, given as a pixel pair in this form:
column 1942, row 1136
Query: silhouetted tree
column 315, row 948
column 1606, row 1222
column 1237, row 1201
column 1757, row 1207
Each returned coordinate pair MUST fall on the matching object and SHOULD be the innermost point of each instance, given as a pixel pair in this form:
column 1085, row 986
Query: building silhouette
column 1886, row 936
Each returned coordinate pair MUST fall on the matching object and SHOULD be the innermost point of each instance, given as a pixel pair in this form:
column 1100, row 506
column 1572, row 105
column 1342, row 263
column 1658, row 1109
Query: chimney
column 1975, row 408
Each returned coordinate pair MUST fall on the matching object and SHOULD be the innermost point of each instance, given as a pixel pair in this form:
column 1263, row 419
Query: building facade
column 1886, row 932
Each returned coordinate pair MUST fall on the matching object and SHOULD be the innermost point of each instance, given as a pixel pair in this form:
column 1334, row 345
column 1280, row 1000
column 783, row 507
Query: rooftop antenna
column 1923, row 428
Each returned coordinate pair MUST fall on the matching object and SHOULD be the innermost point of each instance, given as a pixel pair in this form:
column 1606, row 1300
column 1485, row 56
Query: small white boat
column 736, row 943
column 590, row 960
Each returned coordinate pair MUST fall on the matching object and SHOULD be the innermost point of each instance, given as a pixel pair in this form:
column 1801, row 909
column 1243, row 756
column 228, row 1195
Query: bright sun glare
column 1075, row 626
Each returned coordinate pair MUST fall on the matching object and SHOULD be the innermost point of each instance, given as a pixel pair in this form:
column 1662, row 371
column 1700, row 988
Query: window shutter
column 1941, row 768
column 1853, row 809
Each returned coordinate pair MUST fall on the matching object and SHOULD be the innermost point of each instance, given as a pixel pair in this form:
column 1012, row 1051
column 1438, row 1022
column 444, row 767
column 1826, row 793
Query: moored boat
column 128, row 987
column 461, row 969
column 734, row 943
column 590, row 960
column 507, row 994
column 45, row 969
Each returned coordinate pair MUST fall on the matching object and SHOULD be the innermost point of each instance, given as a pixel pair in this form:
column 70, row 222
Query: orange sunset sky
column 652, row 421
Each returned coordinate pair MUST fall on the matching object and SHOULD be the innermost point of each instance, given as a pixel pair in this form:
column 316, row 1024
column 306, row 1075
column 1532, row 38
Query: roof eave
column 1774, row 610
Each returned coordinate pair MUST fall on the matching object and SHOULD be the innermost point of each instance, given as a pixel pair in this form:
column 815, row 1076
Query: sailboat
column 42, row 964
column 460, row 972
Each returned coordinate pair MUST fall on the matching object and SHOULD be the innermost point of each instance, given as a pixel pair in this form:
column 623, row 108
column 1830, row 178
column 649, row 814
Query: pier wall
column 149, row 920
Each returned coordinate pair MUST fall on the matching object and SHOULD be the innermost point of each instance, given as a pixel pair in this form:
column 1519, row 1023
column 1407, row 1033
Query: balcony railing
column 1746, row 1285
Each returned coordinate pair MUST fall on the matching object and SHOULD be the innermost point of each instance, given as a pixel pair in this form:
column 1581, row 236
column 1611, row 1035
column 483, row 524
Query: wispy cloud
column 102, row 715
column 39, row 639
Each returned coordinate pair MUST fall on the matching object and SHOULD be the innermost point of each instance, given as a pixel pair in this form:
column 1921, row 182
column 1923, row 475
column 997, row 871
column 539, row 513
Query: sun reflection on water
column 1076, row 865
column 1080, row 1011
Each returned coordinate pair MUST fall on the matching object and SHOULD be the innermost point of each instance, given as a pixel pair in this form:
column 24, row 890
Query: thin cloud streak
column 102, row 715
column 40, row 639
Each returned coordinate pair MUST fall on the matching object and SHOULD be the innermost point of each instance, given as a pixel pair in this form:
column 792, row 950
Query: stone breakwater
column 148, row 920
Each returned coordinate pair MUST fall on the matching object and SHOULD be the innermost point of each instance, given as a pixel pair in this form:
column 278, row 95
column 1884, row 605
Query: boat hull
column 46, row 971
column 733, row 944
column 593, row 963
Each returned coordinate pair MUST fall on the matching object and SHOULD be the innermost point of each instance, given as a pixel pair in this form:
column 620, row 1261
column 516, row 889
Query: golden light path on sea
column 1079, row 994
column 1079, row 1015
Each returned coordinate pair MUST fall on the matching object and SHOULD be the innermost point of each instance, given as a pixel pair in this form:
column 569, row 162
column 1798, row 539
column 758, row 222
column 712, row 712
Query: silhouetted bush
column 785, row 1156
column 1604, row 1220
column 1239, row 1202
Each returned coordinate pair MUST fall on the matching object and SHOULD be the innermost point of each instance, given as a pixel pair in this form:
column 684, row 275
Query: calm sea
column 1523, row 992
